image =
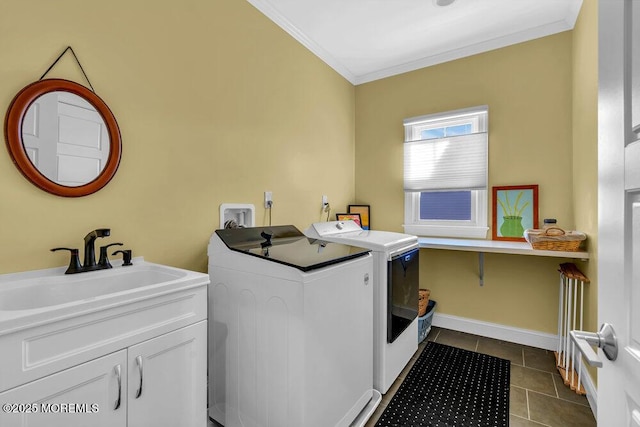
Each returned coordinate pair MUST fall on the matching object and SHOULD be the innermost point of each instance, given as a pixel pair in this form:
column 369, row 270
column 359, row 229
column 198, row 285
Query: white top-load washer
column 290, row 330
column 395, row 298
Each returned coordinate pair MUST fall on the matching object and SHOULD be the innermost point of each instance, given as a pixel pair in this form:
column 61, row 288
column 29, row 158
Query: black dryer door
column 402, row 297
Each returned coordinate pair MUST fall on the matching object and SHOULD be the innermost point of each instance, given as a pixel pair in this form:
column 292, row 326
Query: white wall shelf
column 493, row 246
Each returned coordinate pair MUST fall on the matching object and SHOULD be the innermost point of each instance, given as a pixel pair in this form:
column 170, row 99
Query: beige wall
column 528, row 88
column 216, row 104
column 585, row 147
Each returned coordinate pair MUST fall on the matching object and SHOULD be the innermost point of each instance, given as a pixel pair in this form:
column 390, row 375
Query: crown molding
column 273, row 14
column 470, row 50
column 266, row 8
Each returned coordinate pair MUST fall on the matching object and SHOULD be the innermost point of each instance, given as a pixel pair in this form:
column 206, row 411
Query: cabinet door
column 168, row 379
column 91, row 394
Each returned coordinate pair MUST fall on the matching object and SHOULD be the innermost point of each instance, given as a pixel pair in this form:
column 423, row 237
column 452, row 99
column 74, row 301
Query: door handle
column 139, row 363
column 605, row 339
column 118, row 371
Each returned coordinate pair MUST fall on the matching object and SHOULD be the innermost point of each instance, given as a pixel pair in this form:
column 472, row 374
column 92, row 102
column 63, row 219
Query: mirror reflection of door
column 65, row 138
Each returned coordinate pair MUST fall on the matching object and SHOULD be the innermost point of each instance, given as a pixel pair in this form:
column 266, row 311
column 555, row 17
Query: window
column 445, row 174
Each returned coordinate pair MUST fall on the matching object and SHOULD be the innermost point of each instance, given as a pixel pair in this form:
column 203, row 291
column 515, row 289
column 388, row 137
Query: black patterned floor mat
column 449, row 386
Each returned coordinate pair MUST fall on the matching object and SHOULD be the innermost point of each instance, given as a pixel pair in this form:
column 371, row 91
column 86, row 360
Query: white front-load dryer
column 395, row 298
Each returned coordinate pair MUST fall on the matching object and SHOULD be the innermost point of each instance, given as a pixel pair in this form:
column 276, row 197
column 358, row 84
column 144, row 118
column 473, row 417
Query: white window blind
column 455, row 163
column 448, row 163
column 445, row 173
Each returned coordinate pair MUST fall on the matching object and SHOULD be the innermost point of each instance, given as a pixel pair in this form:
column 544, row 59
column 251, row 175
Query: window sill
column 447, row 231
column 494, row 246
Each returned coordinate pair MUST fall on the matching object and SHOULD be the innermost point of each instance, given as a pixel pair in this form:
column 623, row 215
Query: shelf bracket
column 481, row 267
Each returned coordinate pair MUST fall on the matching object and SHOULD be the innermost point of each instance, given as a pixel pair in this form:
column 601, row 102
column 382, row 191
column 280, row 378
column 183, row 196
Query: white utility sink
column 38, row 292
column 43, row 294
column 51, row 321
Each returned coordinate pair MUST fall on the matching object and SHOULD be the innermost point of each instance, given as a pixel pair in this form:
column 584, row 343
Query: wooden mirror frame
column 13, row 136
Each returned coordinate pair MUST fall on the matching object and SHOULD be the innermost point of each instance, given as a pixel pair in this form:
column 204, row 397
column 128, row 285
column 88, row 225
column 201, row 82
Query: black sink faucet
column 89, row 247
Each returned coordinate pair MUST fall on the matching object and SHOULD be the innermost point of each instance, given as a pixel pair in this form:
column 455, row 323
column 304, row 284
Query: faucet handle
column 126, row 257
column 104, row 260
column 74, row 261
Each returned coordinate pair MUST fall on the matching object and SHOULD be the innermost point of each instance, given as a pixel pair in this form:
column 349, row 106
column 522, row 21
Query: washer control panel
column 332, row 228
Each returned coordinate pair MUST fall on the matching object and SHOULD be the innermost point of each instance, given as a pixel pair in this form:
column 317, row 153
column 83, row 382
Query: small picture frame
column 515, row 209
column 365, row 214
column 349, row 217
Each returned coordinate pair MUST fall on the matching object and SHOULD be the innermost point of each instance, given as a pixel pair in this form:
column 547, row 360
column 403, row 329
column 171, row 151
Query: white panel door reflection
column 66, row 138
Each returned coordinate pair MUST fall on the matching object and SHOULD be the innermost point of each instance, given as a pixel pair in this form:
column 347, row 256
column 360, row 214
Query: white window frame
column 477, row 226
column 417, row 129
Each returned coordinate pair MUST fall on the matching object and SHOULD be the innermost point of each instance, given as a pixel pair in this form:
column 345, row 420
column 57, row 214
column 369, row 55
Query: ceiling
column 366, row 40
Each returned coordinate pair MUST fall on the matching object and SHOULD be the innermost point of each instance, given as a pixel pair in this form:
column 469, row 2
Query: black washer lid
column 285, row 244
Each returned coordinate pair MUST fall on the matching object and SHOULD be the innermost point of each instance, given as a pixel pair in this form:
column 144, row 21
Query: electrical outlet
column 268, row 199
column 325, row 202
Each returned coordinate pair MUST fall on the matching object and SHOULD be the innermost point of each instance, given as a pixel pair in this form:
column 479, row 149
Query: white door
column 91, row 394
column 619, row 208
column 83, row 141
column 65, row 138
column 39, row 132
column 168, row 379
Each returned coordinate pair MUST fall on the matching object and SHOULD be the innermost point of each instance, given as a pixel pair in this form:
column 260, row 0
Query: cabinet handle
column 118, row 371
column 139, row 363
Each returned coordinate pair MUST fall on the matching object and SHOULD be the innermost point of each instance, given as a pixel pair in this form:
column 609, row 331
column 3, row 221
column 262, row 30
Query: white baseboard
column 497, row 331
column 515, row 335
column 590, row 388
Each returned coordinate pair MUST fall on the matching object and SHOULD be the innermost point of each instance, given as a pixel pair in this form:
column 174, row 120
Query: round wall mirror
column 63, row 137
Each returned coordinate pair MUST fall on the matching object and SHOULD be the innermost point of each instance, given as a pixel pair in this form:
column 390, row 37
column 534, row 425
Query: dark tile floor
column 538, row 395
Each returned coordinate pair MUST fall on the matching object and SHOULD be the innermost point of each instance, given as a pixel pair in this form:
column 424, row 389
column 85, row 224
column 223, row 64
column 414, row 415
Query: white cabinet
column 159, row 382
column 94, row 389
column 168, row 379
column 75, row 348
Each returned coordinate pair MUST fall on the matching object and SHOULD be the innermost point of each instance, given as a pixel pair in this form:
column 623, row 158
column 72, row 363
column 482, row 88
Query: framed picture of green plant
column 515, row 209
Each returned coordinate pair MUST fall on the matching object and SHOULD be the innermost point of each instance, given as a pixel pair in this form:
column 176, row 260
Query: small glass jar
column 549, row 222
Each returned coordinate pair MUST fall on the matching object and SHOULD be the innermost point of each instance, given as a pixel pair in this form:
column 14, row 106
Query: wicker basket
column 555, row 239
column 423, row 301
